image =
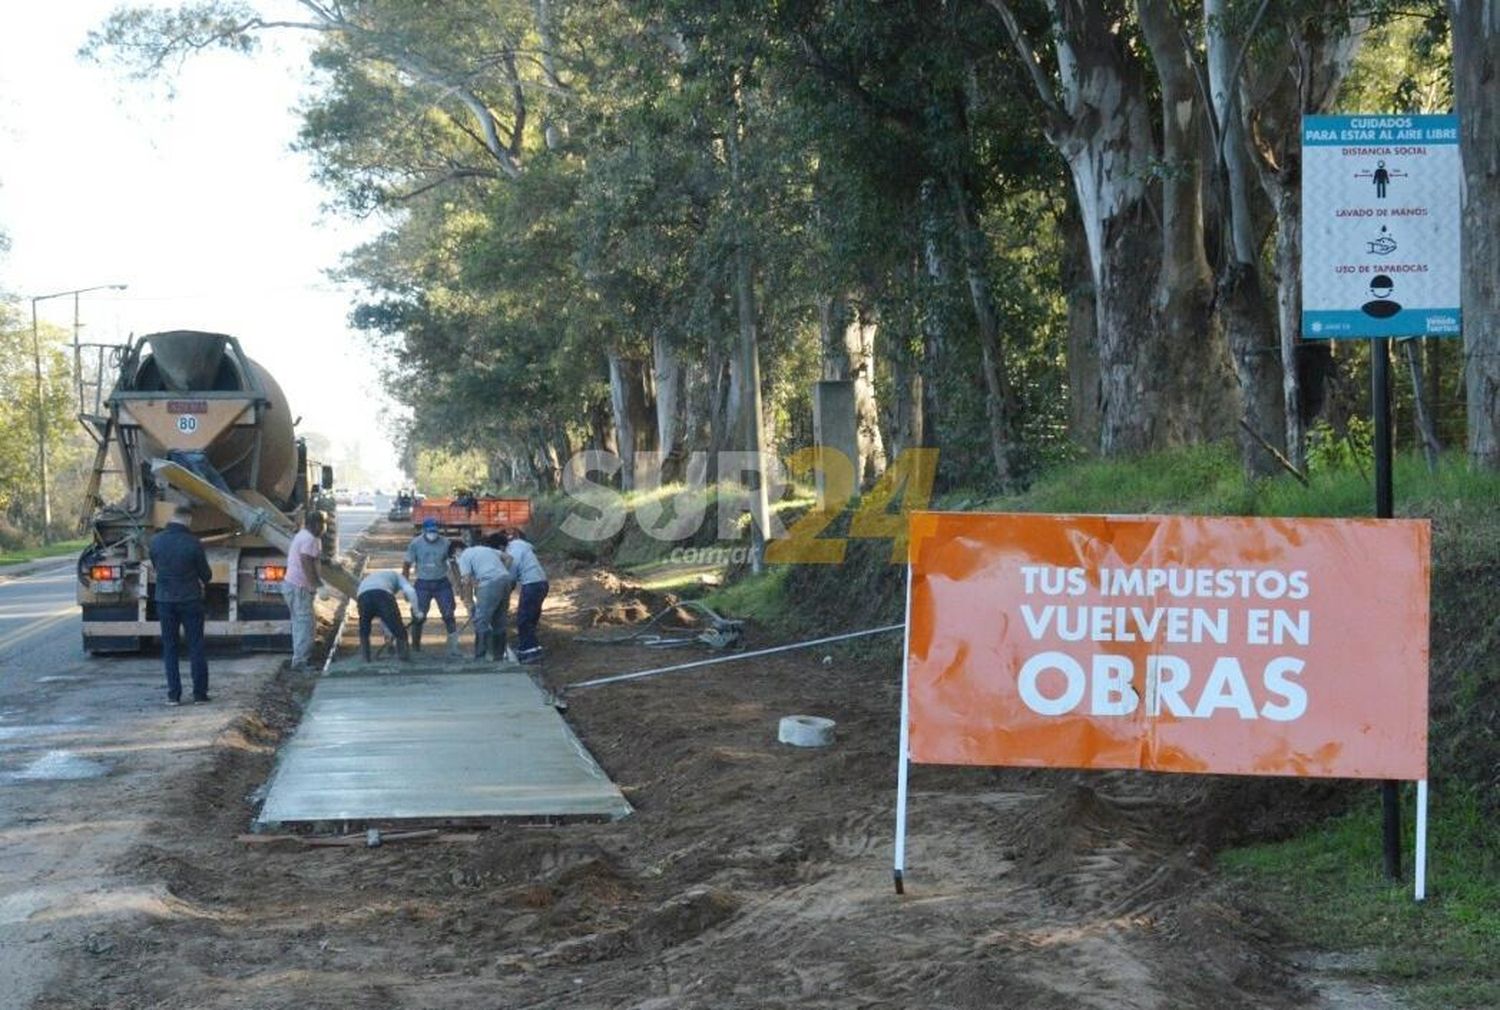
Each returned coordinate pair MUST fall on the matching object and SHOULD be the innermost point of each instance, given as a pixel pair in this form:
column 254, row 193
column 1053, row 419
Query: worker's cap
column 429, row 524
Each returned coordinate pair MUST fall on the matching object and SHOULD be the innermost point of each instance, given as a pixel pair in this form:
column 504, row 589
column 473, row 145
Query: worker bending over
column 486, row 584
column 377, row 598
column 429, row 554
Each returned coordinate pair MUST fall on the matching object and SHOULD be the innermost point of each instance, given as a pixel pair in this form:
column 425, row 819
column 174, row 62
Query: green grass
column 1328, row 889
column 756, row 597
column 1206, row 480
column 52, row 550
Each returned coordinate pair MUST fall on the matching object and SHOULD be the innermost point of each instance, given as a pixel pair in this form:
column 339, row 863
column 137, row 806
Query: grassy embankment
column 52, row 550
column 1325, row 885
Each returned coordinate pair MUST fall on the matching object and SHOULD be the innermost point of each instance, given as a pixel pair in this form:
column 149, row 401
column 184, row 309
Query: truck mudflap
column 127, row 636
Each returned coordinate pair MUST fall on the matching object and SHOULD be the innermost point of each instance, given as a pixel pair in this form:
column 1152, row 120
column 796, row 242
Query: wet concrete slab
column 396, row 742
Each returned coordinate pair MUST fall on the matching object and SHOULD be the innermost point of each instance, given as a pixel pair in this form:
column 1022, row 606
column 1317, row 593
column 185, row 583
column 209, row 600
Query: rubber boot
column 364, row 649
column 416, row 636
column 403, row 651
column 452, row 643
column 481, row 644
column 497, row 647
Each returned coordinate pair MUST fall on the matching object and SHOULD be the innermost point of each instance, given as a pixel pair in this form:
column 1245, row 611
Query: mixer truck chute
column 192, row 419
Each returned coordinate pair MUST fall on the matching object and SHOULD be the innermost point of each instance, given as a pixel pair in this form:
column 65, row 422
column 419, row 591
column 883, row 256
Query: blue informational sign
column 1380, row 226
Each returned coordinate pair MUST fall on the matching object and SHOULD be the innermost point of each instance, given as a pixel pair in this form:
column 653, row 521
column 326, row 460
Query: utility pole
column 41, row 397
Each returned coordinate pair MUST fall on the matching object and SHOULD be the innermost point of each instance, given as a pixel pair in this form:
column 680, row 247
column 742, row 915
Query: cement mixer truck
column 192, row 419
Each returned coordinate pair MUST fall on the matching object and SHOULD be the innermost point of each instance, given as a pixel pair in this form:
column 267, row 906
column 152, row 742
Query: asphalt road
column 39, row 618
column 352, row 522
column 88, row 755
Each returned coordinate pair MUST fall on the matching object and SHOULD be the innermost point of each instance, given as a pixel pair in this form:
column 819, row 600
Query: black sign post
column 1385, row 503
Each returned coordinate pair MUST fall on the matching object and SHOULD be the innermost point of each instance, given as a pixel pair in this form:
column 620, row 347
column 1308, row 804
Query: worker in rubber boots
column 520, row 558
column 486, row 585
column 429, row 554
column 377, row 599
column 300, row 585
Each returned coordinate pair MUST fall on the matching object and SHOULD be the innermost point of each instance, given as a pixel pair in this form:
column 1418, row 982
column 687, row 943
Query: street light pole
column 41, row 405
column 41, row 426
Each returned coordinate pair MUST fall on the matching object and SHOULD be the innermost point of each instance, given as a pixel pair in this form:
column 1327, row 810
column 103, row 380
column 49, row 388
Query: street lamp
column 41, row 411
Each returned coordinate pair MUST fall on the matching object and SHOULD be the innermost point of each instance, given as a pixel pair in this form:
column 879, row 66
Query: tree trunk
column 859, row 354
column 602, row 428
column 1000, row 402
column 668, row 373
column 751, row 414
column 634, row 413
column 624, row 420
column 1476, row 70
column 847, row 341
column 833, row 317
column 1184, row 291
column 1253, row 345
column 1160, row 367
column 748, row 351
column 932, row 284
column 1083, row 333
column 1422, row 407
column 1272, row 102
column 1284, row 188
column 907, row 406
column 1255, row 351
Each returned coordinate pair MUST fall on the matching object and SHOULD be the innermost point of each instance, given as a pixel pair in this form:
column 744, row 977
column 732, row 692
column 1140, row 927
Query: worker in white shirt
column 377, row 598
column 521, row 560
column 486, row 584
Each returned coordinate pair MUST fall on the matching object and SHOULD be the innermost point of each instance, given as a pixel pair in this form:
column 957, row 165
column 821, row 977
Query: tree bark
column 669, row 377
column 751, row 414
column 748, row 351
column 907, row 405
column 1184, row 289
column 1083, row 333
column 847, row 341
column 859, row 353
column 932, row 284
column 1476, row 88
column 619, row 402
column 1000, row 401
column 833, row 316
column 634, row 414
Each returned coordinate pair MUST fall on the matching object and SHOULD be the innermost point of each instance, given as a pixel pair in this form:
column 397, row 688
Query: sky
column 196, row 202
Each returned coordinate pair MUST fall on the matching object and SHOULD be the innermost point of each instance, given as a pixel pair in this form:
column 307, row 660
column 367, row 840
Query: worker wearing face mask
column 428, row 553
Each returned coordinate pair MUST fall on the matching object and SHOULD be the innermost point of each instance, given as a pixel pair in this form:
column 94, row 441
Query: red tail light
column 105, row 573
column 270, row 573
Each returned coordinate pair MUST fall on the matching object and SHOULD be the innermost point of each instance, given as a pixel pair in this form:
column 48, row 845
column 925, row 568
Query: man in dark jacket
column 181, row 573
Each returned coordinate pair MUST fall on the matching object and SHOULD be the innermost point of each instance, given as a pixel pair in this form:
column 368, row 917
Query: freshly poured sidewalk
column 404, row 743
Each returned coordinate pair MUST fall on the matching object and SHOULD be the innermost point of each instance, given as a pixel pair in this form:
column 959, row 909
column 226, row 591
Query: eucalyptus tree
column 1476, row 65
column 1162, row 367
column 923, row 159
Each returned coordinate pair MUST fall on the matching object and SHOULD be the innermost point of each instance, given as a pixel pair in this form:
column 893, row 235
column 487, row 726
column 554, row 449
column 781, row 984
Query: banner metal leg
column 1421, row 853
column 902, row 762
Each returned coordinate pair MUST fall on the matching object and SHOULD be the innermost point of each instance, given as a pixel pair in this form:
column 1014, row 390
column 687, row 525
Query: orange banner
column 1170, row 643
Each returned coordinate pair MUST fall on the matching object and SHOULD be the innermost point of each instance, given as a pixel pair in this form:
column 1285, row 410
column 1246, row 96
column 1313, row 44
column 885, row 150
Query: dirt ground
column 752, row 874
